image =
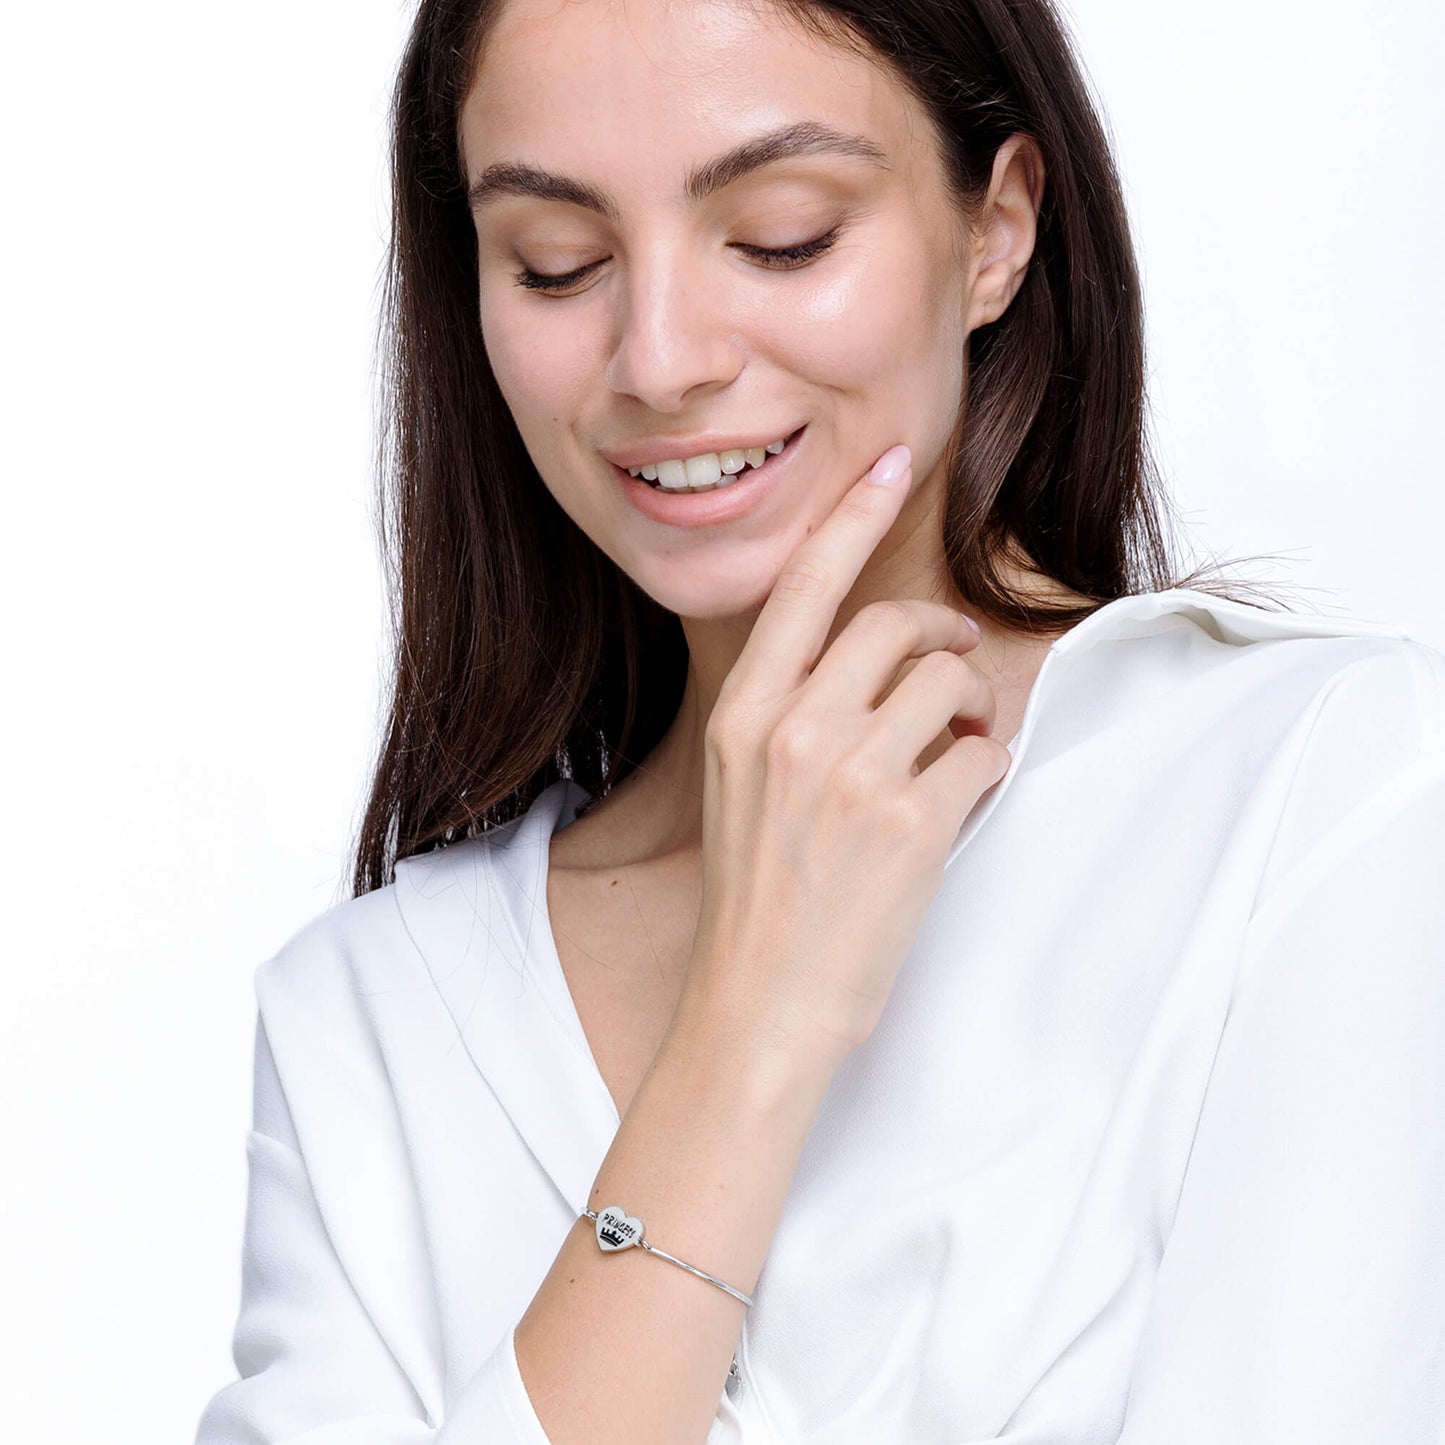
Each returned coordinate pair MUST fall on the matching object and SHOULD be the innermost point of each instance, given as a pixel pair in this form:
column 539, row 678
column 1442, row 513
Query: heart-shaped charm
column 616, row 1229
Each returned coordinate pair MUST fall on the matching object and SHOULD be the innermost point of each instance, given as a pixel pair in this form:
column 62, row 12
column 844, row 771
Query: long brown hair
column 522, row 653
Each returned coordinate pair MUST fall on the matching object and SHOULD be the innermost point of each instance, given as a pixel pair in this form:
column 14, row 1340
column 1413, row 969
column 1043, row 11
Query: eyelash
column 780, row 258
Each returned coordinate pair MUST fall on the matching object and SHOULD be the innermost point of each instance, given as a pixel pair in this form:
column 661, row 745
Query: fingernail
column 891, row 467
column 970, row 622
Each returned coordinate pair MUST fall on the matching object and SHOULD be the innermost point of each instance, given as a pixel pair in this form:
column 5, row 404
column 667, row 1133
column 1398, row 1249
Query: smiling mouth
column 715, row 461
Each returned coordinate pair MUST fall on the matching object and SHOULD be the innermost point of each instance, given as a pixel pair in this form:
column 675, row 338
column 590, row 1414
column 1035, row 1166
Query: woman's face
column 673, row 332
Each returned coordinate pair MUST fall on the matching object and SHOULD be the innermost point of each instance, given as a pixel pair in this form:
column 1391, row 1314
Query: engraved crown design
column 616, row 1229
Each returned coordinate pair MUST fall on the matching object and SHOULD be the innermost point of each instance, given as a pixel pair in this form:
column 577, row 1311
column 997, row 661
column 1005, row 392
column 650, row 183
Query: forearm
column 630, row 1349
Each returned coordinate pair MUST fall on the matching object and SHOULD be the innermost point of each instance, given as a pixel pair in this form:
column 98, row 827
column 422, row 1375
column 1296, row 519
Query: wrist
column 775, row 1064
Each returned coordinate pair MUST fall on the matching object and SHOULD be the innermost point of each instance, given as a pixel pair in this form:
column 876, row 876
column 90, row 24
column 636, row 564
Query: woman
column 774, row 1006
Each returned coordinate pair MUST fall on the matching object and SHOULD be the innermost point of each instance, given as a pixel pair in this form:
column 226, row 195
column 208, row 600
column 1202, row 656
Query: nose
column 673, row 344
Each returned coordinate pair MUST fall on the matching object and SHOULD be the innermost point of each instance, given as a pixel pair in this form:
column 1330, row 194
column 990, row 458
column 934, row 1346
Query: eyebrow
column 803, row 138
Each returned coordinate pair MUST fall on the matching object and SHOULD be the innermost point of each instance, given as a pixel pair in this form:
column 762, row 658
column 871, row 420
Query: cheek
column 888, row 334
column 536, row 368
column 848, row 325
column 541, row 377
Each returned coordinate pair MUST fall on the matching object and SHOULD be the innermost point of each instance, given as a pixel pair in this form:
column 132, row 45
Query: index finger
column 792, row 628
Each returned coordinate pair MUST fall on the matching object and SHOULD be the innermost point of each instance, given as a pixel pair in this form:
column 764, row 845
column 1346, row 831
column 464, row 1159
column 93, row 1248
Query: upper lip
column 651, row 450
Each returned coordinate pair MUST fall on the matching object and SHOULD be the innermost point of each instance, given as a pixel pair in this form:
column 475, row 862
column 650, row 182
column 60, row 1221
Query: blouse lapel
column 476, row 911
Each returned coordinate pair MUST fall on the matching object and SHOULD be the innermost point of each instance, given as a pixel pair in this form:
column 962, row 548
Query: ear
column 1004, row 236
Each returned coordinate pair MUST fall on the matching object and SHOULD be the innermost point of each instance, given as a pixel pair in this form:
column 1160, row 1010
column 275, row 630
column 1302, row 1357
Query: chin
column 715, row 579
column 708, row 599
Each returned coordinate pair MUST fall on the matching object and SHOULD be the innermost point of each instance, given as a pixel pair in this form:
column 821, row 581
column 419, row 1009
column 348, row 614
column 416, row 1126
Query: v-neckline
column 541, row 947
column 557, row 806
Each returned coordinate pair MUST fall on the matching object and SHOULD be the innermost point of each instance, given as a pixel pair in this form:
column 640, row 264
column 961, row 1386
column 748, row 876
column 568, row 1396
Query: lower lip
column 721, row 504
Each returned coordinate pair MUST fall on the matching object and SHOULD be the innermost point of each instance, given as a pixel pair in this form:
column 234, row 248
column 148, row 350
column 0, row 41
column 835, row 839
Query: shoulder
column 1348, row 686
column 454, row 905
column 1285, row 663
column 1204, row 707
column 364, row 945
column 1318, row 718
column 354, row 948
column 346, row 1003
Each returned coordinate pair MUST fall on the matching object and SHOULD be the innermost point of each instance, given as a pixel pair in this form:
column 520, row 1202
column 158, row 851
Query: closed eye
column 786, row 257
column 536, row 281
column 780, row 258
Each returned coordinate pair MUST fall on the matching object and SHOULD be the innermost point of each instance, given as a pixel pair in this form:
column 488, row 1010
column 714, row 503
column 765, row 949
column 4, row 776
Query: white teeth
column 712, row 469
column 702, row 471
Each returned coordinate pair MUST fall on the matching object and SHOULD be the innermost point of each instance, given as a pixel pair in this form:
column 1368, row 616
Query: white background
column 195, row 216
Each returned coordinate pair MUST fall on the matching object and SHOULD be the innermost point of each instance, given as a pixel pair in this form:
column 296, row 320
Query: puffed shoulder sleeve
column 313, row 1367
column 1301, row 1293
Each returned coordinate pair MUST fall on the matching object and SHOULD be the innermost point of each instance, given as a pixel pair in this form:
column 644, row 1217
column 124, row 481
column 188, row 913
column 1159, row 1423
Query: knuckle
column 854, row 781
column 891, row 612
column 909, row 814
column 724, row 707
column 861, row 504
column 984, row 755
column 718, row 733
column 944, row 669
column 803, row 579
column 729, row 724
column 792, row 742
column 888, row 617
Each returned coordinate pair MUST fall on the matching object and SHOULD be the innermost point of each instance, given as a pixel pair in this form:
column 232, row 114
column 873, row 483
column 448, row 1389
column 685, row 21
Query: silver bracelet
column 617, row 1229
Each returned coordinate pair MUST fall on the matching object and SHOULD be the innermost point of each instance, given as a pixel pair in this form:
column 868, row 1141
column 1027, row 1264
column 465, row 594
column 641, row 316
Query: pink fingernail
column 891, row 467
column 971, row 622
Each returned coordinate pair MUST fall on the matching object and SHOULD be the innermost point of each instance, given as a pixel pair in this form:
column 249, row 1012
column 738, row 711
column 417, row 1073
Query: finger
column 940, row 688
column 865, row 656
column 962, row 773
column 792, row 628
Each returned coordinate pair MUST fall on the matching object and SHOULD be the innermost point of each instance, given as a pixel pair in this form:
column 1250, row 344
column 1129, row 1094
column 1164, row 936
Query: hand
column 823, row 841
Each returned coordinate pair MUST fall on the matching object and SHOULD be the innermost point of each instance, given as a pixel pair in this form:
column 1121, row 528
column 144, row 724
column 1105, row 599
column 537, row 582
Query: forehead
column 667, row 77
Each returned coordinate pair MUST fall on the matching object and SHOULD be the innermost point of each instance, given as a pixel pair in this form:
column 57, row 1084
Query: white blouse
column 1148, row 1146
